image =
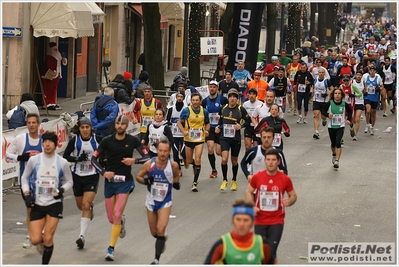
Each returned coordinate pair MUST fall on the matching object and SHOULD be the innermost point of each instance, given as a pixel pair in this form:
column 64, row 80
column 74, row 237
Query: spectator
column 141, row 60
column 138, row 90
column 181, row 77
column 27, row 103
column 118, row 85
column 104, row 112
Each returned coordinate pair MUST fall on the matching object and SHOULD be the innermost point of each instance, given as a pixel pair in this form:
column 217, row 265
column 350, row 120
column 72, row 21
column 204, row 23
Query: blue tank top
column 213, row 107
column 78, row 147
column 161, row 190
column 371, row 87
column 30, row 148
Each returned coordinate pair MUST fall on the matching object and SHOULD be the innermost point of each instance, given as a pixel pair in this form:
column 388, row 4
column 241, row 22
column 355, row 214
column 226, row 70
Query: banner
column 211, row 45
column 244, row 37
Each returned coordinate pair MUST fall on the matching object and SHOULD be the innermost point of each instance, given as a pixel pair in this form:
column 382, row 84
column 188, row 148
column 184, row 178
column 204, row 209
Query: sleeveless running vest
column 84, row 168
column 32, row 149
column 161, row 189
column 232, row 254
column 195, row 125
column 147, row 114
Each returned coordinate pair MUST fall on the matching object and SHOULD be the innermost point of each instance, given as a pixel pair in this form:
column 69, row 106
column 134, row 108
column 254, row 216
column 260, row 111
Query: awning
column 172, row 11
column 163, row 22
column 64, row 19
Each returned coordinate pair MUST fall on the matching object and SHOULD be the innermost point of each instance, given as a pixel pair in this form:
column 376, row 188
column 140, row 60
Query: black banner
column 245, row 33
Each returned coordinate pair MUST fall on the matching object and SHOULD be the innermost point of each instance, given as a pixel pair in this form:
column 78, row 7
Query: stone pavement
column 72, row 105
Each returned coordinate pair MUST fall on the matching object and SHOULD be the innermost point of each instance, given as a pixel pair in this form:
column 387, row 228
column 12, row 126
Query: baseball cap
column 281, row 68
column 393, row 58
column 232, row 92
column 346, row 77
column 276, row 67
column 214, row 82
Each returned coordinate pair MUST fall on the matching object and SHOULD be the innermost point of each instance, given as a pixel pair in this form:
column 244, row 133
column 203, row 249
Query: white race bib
column 119, row 178
column 269, row 201
column 301, row 88
column 85, row 167
column 159, row 191
column 277, row 139
column 45, row 188
column 147, row 121
column 154, row 138
column 371, row 89
column 279, row 101
column 229, row 131
column 195, row 134
column 337, row 119
column 176, row 130
column 214, row 118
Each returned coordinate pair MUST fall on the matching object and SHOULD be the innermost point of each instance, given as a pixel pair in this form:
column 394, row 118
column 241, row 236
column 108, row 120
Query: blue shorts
column 111, row 189
column 158, row 206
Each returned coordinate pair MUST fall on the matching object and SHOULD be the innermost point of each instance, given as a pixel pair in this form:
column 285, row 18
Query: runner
column 241, row 245
column 23, row 147
column 213, row 103
column 271, row 186
column 119, row 183
column 302, row 83
column 292, row 69
column 373, row 85
column 172, row 117
column 320, row 89
column 42, row 186
column 163, row 174
column 85, row 176
column 359, row 102
column 195, row 129
column 250, row 105
column 256, row 155
column 227, row 84
column 156, row 131
column 339, row 113
column 389, row 81
column 233, row 118
column 281, row 86
column 260, row 85
column 241, row 76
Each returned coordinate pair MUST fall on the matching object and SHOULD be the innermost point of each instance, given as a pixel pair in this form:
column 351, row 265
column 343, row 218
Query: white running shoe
column 27, row 243
column 299, row 120
column 40, row 248
column 336, row 164
column 367, row 129
column 371, row 130
column 305, row 121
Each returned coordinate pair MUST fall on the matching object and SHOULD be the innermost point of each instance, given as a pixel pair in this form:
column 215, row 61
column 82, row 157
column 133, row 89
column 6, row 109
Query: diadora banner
column 245, row 33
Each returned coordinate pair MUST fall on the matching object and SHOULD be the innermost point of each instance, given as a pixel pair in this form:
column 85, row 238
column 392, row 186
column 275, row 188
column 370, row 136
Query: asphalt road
column 357, row 203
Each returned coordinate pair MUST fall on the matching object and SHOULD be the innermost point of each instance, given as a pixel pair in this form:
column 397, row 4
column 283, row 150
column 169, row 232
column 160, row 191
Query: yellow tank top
column 293, row 71
column 195, row 124
column 147, row 115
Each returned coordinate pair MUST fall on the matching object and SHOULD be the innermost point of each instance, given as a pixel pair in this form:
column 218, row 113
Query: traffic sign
column 12, row 32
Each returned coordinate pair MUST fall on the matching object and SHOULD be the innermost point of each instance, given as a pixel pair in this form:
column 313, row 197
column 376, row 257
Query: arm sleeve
column 13, row 150
column 283, row 164
column 216, row 253
column 203, row 104
column 206, row 114
column 142, row 151
column 168, row 134
column 348, row 110
column 27, row 173
column 146, row 136
column 66, row 170
column 69, row 149
column 245, row 117
column 324, row 110
column 285, row 126
column 358, row 93
column 94, row 158
column 158, row 104
column 247, row 159
column 169, row 115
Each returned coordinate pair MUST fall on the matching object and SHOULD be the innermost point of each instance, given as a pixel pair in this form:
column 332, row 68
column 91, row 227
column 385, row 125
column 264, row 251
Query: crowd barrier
column 60, row 126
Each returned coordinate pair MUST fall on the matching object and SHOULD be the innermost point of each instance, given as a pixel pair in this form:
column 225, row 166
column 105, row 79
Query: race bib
column 176, row 130
column 119, row 178
column 45, row 188
column 85, row 167
column 292, row 76
column 348, row 99
column 279, row 101
column 147, row 121
column 195, row 134
column 277, row 139
column 371, row 89
column 229, row 131
column 317, row 95
column 159, row 191
column 301, row 88
column 154, row 138
column 269, row 201
column 337, row 119
column 214, row 118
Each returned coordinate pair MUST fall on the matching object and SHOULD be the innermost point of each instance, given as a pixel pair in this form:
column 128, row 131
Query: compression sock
column 116, row 229
column 159, row 246
column 84, row 223
column 224, row 171
column 197, row 170
column 212, row 160
column 235, row 170
column 47, row 253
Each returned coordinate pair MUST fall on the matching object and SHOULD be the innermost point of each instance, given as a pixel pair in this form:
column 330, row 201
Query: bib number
column 154, row 138
column 292, row 76
column 279, row 101
column 214, row 118
column 229, row 131
column 277, row 139
column 337, row 119
column 371, row 89
column 176, row 131
column 45, row 188
column 147, row 121
column 301, row 88
column 119, row 178
column 195, row 134
column 85, row 167
column 269, row 201
column 159, row 191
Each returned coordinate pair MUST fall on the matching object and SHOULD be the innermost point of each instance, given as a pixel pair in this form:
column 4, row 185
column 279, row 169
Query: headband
column 244, row 210
column 50, row 137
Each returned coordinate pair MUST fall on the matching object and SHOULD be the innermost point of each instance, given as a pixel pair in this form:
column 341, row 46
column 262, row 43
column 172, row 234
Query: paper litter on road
column 172, row 216
column 19, row 223
column 309, row 164
column 388, row 130
column 357, row 225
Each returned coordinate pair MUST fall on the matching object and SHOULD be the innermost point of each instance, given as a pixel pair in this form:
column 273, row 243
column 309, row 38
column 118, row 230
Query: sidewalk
column 72, row 105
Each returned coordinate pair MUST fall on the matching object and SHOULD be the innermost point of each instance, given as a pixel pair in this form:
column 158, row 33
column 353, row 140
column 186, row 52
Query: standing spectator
column 141, row 61
column 140, row 84
column 181, row 77
column 104, row 113
column 26, row 106
column 118, row 85
column 52, row 64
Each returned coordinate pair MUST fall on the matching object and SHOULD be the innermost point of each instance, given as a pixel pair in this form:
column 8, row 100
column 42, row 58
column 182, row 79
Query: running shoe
column 233, row 185
column 155, row 262
column 305, row 121
column 392, row 110
column 91, row 211
column 186, row 165
column 333, row 158
column 384, row 114
column 354, row 138
column 180, row 173
column 40, row 248
column 316, row 136
column 299, row 120
column 342, row 142
column 110, row 254
column 214, row 174
column 289, row 110
column 80, row 242
column 372, row 130
column 122, row 234
column 336, row 164
column 295, row 112
column 194, row 187
column 352, row 131
column 389, row 102
column 324, row 123
column 27, row 243
column 224, row 185
column 367, row 129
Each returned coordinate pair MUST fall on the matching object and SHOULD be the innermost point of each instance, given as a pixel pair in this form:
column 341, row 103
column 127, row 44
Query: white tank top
column 360, row 86
column 258, row 163
column 84, row 168
column 175, row 117
column 155, row 135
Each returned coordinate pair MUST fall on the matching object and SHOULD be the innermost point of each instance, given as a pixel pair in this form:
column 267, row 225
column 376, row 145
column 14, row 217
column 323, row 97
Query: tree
column 153, row 44
column 195, row 22
column 271, row 28
column 293, row 20
column 313, row 11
